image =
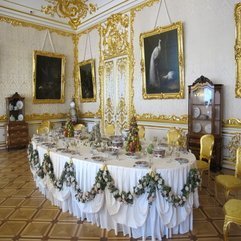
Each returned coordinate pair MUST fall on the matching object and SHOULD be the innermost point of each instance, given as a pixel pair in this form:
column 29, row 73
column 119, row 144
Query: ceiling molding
column 30, row 11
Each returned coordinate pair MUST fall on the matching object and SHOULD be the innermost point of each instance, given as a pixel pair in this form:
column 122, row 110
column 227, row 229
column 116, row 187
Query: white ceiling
column 30, row 10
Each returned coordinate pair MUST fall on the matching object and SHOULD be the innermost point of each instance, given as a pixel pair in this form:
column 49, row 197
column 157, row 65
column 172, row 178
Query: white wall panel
column 209, row 38
column 17, row 45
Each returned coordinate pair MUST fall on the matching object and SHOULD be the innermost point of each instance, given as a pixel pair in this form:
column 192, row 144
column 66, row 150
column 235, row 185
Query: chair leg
column 216, row 190
column 225, row 229
column 226, row 194
column 209, row 178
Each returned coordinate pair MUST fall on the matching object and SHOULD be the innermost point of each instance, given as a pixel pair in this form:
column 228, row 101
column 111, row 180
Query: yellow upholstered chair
column 44, row 127
column 110, row 130
column 206, row 151
column 230, row 182
column 173, row 136
column 232, row 211
column 141, row 132
column 79, row 127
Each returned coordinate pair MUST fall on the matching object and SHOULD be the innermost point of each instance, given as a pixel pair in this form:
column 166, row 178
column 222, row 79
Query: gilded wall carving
column 115, row 36
column 237, row 49
column 232, row 146
column 121, row 114
column 116, row 93
column 109, row 112
column 73, row 10
column 109, row 90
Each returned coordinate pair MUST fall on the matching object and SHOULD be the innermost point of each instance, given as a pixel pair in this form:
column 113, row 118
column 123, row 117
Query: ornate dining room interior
column 104, row 106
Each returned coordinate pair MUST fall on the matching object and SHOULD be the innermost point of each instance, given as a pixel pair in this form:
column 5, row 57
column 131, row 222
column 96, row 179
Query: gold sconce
column 74, row 10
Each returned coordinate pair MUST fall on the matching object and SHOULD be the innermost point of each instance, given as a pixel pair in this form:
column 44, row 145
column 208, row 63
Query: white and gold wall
column 208, row 40
column 17, row 42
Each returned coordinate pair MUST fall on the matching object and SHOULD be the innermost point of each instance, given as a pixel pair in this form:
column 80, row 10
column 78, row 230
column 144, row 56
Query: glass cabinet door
column 202, row 111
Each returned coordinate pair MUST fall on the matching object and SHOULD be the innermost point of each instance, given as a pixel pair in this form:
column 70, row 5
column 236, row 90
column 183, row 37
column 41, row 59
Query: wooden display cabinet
column 205, row 117
column 16, row 128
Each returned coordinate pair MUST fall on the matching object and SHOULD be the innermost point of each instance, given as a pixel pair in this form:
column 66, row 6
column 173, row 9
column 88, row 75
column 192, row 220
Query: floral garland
column 149, row 183
column 33, row 158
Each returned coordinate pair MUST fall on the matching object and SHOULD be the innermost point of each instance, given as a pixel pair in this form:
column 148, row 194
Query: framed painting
column 237, row 50
column 162, row 62
column 87, row 81
column 48, row 77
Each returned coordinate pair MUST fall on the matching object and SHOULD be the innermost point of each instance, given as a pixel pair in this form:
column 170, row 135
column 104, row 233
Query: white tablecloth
column 138, row 219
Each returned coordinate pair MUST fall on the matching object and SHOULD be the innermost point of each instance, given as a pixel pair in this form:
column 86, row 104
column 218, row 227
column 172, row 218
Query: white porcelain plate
column 208, row 128
column 197, row 127
column 12, row 118
column 19, row 104
column 10, row 107
column 133, row 155
column 196, row 112
column 20, row 117
column 181, row 160
column 141, row 164
column 97, row 158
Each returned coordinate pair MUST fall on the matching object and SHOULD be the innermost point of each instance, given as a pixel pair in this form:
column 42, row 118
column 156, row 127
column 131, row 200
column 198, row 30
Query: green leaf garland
column 150, row 183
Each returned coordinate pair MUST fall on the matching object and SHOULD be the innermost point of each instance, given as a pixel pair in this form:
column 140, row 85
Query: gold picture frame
column 87, row 81
column 48, row 77
column 237, row 50
column 162, row 62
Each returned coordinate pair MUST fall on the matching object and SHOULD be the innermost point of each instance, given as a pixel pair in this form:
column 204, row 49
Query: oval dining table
column 140, row 219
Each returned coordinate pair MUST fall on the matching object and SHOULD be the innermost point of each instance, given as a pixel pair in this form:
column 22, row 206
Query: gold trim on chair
column 206, row 150
column 141, row 132
column 79, row 127
column 230, row 182
column 44, row 127
column 173, row 136
column 232, row 211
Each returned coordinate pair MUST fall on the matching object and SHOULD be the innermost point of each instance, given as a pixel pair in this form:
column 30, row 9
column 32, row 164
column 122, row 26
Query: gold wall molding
column 46, row 116
column 3, row 118
column 88, row 115
column 115, row 35
column 20, row 23
column 183, row 119
column 132, row 111
column 232, row 122
column 148, row 3
column 75, row 40
column 237, row 49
